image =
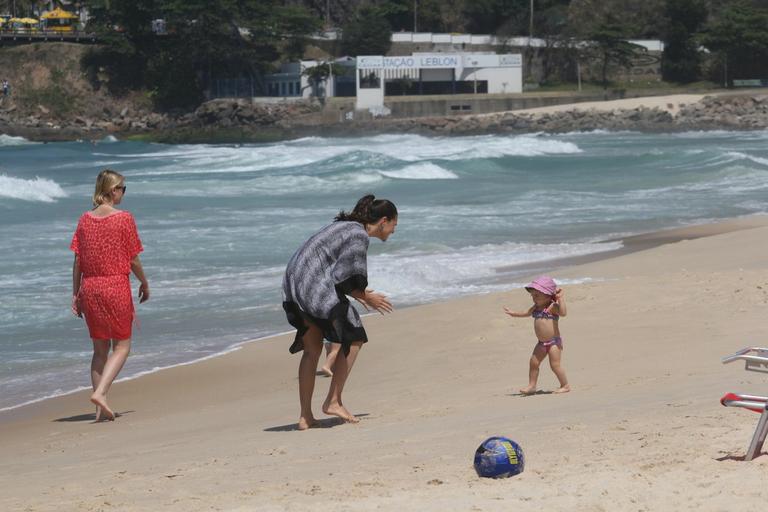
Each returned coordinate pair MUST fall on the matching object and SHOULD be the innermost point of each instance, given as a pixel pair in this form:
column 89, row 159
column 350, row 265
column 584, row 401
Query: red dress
column 105, row 247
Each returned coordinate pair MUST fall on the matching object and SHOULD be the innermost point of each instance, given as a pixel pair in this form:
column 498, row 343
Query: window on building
column 369, row 79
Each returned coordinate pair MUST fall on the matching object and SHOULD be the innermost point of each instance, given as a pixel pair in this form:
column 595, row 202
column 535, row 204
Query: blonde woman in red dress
column 107, row 246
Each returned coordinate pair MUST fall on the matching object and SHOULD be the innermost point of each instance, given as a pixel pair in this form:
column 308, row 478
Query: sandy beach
column 642, row 430
column 671, row 103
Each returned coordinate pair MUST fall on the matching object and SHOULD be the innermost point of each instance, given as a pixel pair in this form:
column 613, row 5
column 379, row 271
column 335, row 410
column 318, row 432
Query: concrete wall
column 343, row 109
column 452, row 105
column 500, row 80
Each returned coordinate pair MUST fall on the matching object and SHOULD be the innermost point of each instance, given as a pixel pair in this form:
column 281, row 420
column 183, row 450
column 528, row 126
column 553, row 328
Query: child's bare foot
column 326, row 371
column 307, row 423
column 528, row 391
column 103, row 412
column 563, row 389
column 336, row 409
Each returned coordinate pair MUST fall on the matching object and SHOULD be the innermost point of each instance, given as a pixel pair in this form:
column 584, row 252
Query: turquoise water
column 220, row 222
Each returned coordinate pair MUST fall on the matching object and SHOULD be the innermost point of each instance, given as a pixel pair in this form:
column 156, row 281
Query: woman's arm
column 373, row 300
column 138, row 271
column 76, row 277
column 518, row 315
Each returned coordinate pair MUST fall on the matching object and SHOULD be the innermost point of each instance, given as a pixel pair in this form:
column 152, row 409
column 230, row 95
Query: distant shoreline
column 241, row 121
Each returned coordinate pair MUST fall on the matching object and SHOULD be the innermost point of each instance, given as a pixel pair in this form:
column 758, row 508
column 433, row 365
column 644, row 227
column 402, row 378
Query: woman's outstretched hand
column 143, row 292
column 377, row 301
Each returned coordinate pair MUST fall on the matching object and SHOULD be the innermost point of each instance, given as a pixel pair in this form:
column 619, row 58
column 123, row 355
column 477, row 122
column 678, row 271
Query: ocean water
column 220, row 222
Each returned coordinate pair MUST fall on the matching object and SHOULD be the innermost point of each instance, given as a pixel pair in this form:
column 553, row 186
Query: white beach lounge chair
column 756, row 360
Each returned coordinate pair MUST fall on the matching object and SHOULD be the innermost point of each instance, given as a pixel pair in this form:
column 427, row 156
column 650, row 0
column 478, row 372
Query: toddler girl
column 548, row 307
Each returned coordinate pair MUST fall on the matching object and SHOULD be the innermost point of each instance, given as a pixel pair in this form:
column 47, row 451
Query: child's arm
column 518, row 315
column 558, row 306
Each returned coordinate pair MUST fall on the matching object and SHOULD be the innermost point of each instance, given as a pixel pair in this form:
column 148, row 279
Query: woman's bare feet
column 326, row 371
column 336, row 409
column 103, row 412
column 563, row 389
column 528, row 391
column 307, row 423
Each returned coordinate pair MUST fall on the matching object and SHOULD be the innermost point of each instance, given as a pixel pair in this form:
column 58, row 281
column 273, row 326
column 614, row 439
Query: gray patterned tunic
column 330, row 265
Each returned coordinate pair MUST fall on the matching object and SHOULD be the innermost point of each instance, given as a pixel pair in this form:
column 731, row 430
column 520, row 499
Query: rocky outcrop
column 730, row 112
column 216, row 115
column 227, row 113
column 727, row 112
column 247, row 120
column 742, row 112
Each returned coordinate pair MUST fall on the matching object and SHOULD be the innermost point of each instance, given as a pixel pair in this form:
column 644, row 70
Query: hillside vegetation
column 47, row 82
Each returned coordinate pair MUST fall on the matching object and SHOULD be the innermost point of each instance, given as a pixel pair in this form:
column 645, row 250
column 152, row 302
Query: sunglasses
column 121, row 188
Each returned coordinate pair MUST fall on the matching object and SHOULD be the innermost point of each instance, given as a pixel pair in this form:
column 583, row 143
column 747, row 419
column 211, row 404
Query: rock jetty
column 227, row 119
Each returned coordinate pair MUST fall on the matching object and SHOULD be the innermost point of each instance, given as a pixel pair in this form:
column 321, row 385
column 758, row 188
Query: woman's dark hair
column 369, row 210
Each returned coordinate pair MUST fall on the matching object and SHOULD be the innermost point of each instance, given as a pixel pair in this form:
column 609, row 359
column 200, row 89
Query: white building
column 435, row 73
column 292, row 81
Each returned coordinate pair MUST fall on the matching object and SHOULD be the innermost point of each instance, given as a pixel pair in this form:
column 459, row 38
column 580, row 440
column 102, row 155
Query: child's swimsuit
column 556, row 340
column 543, row 313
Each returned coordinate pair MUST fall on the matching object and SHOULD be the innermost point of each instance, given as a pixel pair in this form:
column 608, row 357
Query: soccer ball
column 499, row 457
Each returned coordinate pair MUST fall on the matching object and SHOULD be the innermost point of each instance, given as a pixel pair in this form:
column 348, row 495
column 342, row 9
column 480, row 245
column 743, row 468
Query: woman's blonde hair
column 106, row 182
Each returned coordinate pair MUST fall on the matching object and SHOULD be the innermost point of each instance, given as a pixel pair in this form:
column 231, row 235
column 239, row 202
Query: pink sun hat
column 544, row 284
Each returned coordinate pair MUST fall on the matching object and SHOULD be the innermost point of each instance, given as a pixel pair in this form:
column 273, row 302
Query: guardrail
column 46, row 35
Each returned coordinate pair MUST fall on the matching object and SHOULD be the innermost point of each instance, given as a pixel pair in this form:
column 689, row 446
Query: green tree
column 603, row 28
column 739, row 33
column 399, row 14
column 367, row 33
column 509, row 17
column 204, row 39
column 125, row 30
column 607, row 44
column 681, row 60
column 317, row 74
column 23, row 8
column 639, row 20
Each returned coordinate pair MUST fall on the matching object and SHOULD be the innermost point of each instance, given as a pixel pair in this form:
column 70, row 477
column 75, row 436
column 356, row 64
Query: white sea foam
column 596, row 131
column 421, row 276
column 272, row 184
column 10, row 140
column 736, row 179
column 422, row 171
column 744, row 156
column 208, row 159
column 370, row 151
column 290, row 183
column 38, row 189
column 414, row 148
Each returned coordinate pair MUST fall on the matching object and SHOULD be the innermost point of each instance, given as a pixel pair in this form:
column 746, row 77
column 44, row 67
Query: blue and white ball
column 499, row 457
